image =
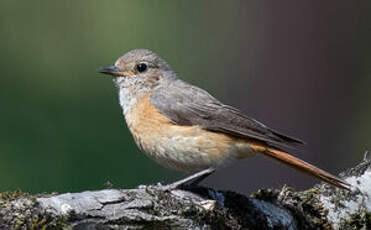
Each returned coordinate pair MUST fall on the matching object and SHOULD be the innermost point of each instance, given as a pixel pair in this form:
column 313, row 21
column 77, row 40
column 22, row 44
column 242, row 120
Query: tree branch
column 149, row 207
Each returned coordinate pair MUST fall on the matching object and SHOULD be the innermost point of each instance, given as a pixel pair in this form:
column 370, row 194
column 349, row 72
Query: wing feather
column 185, row 104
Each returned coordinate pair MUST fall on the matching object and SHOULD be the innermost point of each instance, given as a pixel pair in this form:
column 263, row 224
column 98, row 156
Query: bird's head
column 138, row 69
column 136, row 74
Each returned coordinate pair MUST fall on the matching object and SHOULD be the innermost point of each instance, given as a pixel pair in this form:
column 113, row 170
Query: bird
column 185, row 128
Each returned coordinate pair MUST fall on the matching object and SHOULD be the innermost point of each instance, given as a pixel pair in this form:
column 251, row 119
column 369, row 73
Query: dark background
column 303, row 68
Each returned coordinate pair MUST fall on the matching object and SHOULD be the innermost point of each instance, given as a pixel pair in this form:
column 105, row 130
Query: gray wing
column 185, row 104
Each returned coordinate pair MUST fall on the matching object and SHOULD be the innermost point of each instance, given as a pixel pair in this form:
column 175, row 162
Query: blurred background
column 303, row 68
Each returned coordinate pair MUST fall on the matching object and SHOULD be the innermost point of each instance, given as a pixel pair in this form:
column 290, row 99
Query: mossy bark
column 150, row 207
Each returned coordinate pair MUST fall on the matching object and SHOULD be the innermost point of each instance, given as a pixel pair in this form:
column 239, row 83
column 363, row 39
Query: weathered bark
column 322, row 207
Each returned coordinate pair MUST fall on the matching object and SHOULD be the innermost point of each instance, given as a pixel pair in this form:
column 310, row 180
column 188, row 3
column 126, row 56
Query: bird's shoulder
column 183, row 103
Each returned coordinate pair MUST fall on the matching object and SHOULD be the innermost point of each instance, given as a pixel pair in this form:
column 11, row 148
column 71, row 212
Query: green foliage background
column 61, row 128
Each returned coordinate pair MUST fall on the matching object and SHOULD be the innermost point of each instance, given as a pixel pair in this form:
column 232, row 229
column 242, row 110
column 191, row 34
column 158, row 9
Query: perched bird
column 183, row 127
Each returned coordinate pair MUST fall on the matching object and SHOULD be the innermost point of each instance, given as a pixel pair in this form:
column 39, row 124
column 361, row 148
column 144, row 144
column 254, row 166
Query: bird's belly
column 188, row 148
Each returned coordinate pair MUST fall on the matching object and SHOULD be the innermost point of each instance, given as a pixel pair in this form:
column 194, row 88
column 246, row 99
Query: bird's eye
column 141, row 67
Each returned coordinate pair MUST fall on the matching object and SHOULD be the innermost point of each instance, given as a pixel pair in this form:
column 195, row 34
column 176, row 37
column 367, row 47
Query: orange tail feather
column 301, row 165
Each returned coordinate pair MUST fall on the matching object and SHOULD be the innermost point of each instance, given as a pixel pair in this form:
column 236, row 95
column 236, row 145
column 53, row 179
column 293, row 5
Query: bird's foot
column 188, row 182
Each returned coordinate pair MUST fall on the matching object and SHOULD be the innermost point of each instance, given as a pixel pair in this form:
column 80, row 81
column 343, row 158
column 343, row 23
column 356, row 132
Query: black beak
column 111, row 70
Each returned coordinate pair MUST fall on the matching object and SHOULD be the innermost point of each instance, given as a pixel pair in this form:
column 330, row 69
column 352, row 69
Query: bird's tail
column 300, row 165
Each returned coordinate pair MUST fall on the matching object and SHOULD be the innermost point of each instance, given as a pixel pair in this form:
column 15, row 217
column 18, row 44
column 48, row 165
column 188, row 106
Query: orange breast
column 184, row 148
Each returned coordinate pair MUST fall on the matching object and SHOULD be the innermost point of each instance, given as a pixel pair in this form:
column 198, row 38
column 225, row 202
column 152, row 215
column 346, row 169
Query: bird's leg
column 191, row 180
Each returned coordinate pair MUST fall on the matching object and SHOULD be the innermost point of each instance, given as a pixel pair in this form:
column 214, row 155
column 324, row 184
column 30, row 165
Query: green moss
column 14, row 195
column 357, row 221
column 305, row 205
column 19, row 210
column 49, row 223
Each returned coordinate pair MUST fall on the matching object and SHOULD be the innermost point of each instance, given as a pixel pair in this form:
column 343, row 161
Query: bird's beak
column 112, row 70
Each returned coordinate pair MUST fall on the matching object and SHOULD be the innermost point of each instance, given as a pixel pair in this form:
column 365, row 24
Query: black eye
column 141, row 67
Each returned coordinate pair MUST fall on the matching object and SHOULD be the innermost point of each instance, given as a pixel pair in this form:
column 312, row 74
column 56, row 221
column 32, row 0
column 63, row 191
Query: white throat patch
column 128, row 90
